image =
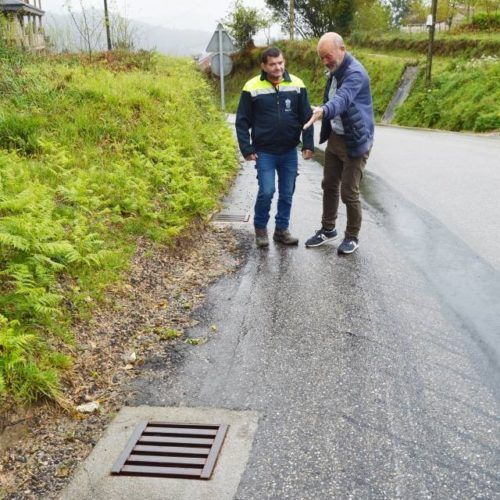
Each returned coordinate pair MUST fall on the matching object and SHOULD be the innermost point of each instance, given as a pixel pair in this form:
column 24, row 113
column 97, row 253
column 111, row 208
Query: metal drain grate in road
column 160, row 449
column 231, row 217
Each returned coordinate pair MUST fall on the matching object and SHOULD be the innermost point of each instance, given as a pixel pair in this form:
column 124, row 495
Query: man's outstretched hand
column 317, row 115
column 307, row 154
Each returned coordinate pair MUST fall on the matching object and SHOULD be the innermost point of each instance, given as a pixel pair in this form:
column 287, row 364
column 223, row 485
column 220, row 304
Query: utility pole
column 106, row 22
column 292, row 18
column 432, row 28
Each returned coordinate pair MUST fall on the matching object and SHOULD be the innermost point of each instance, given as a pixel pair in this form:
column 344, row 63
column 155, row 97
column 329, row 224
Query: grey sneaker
column 261, row 239
column 349, row 245
column 284, row 236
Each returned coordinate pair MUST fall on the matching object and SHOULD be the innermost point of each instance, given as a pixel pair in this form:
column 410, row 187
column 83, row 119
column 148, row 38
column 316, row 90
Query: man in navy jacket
column 274, row 106
column 348, row 125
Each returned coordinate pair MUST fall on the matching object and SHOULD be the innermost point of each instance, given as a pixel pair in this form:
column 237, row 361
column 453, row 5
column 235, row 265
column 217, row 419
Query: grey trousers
column 341, row 179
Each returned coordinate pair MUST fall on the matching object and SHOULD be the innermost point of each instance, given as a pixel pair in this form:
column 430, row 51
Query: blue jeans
column 285, row 165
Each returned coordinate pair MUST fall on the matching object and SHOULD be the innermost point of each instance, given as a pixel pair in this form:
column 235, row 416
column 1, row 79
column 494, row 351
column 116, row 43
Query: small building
column 21, row 23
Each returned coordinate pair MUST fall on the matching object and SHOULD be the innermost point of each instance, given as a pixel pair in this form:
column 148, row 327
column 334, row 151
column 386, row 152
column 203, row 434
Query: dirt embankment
column 40, row 447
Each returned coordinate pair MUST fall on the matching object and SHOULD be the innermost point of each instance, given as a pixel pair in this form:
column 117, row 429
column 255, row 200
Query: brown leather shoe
column 261, row 239
column 284, row 236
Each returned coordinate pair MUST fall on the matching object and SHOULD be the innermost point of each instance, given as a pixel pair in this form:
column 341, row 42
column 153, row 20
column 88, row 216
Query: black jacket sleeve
column 306, row 113
column 244, row 122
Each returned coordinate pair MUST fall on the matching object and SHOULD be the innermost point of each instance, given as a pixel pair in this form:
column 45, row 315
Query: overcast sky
column 176, row 14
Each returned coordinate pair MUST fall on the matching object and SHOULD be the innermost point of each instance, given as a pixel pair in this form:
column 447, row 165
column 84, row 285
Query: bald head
column 331, row 39
column 331, row 50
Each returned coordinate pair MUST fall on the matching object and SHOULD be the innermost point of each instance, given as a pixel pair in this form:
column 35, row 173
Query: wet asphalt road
column 376, row 375
column 455, row 177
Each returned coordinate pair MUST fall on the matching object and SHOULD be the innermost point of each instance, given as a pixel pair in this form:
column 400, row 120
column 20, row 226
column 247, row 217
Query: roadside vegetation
column 460, row 44
column 387, row 36
column 464, row 95
column 93, row 155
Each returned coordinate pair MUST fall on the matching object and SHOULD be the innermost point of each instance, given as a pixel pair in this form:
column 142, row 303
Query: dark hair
column 270, row 52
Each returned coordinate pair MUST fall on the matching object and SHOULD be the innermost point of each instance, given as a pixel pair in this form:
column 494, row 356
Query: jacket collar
column 339, row 72
column 286, row 76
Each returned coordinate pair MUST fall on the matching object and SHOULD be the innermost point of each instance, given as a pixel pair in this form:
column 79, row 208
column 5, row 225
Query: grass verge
column 460, row 45
column 92, row 155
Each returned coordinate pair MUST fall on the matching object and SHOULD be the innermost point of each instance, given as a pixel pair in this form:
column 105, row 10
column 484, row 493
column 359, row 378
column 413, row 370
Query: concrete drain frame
column 93, row 479
column 176, row 450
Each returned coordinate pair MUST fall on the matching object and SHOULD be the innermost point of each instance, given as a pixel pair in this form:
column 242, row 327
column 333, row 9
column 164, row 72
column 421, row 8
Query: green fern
column 85, row 168
column 20, row 372
column 43, row 260
column 58, row 249
column 12, row 240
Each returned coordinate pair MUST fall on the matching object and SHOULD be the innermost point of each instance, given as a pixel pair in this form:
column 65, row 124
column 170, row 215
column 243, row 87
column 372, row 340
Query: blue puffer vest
column 353, row 102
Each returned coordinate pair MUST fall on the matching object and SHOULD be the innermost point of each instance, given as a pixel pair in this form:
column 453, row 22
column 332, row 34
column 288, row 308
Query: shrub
column 487, row 121
column 485, row 21
column 456, row 46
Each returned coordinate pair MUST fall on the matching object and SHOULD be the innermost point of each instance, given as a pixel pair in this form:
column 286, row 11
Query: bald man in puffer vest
column 348, row 126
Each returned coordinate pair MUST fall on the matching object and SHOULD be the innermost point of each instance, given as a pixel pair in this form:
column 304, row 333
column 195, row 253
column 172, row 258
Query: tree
column 124, row 34
column 446, row 11
column 86, row 30
column 315, row 17
column 416, row 13
column 243, row 23
column 89, row 25
column 372, row 17
column 488, row 6
column 268, row 19
column 108, row 27
column 400, row 10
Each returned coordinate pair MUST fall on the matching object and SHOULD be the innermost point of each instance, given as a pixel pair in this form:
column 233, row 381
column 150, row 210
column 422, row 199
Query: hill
column 65, row 37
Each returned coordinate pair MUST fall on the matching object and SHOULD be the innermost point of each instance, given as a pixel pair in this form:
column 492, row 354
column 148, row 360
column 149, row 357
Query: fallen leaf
column 62, row 471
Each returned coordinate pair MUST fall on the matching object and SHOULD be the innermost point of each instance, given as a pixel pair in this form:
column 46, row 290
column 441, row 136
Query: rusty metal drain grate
column 160, row 449
column 231, row 217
